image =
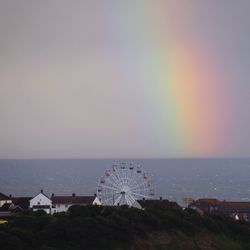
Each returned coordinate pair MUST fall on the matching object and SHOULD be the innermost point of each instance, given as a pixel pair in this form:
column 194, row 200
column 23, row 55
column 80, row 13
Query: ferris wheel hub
column 125, row 190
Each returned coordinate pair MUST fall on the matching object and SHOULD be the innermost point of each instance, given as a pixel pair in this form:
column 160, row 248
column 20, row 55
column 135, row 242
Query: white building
column 62, row 203
column 41, row 202
column 4, row 199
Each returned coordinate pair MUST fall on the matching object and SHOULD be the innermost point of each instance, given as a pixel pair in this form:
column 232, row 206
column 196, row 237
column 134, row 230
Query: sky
column 124, row 79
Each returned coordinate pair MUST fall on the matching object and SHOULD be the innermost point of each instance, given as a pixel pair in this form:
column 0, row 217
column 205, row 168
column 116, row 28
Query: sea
column 175, row 179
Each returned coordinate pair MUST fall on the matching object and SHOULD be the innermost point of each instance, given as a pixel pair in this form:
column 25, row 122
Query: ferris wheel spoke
column 139, row 184
column 109, row 187
column 131, row 198
column 113, row 195
column 131, row 173
column 106, row 188
column 119, row 176
column 127, row 176
column 118, row 199
column 109, row 199
column 114, row 183
column 142, row 182
column 106, row 201
column 119, row 179
column 114, row 177
column 115, row 174
column 128, row 200
column 137, row 178
column 141, row 195
column 124, row 176
column 136, row 183
column 110, row 193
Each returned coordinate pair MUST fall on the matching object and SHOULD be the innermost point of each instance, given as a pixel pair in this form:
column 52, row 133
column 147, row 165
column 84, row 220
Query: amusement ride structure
column 124, row 184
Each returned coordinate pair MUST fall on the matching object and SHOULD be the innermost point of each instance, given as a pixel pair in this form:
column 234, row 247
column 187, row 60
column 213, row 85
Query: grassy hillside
column 123, row 228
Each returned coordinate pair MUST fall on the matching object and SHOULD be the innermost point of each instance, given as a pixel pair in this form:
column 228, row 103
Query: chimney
column 73, row 195
column 160, row 198
column 95, row 195
column 143, row 198
column 52, row 195
column 10, row 195
column 42, row 191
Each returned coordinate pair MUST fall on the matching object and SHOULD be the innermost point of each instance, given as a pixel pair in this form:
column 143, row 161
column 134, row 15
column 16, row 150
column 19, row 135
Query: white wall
column 2, row 202
column 96, row 202
column 136, row 205
column 61, row 208
column 47, row 210
column 41, row 200
column 58, row 208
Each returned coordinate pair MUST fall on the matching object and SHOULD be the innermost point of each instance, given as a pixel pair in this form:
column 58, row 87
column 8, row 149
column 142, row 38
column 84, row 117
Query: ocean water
column 174, row 179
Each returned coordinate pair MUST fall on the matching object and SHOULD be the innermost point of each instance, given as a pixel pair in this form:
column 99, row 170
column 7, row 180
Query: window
column 245, row 217
column 38, row 203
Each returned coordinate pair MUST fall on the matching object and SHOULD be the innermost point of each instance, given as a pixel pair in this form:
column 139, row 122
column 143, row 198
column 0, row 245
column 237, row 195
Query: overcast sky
column 75, row 77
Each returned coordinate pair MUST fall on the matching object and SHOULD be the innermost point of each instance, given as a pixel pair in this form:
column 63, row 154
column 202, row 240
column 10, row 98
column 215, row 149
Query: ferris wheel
column 124, row 184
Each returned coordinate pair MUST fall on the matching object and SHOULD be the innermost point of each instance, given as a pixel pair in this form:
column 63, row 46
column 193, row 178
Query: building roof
column 223, row 206
column 222, row 203
column 161, row 202
column 207, row 201
column 72, row 199
column 237, row 205
column 41, row 192
column 4, row 197
column 23, row 202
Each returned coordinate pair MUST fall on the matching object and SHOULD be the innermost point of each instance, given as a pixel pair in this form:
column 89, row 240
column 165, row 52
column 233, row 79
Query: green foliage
column 96, row 227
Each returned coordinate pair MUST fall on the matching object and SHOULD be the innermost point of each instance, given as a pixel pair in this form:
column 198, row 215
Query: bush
column 93, row 227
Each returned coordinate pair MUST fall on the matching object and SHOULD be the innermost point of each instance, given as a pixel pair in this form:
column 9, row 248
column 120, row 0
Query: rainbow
column 180, row 86
column 193, row 87
column 182, row 91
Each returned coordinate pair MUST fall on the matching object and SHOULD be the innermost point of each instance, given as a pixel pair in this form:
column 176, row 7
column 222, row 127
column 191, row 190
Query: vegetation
column 94, row 227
